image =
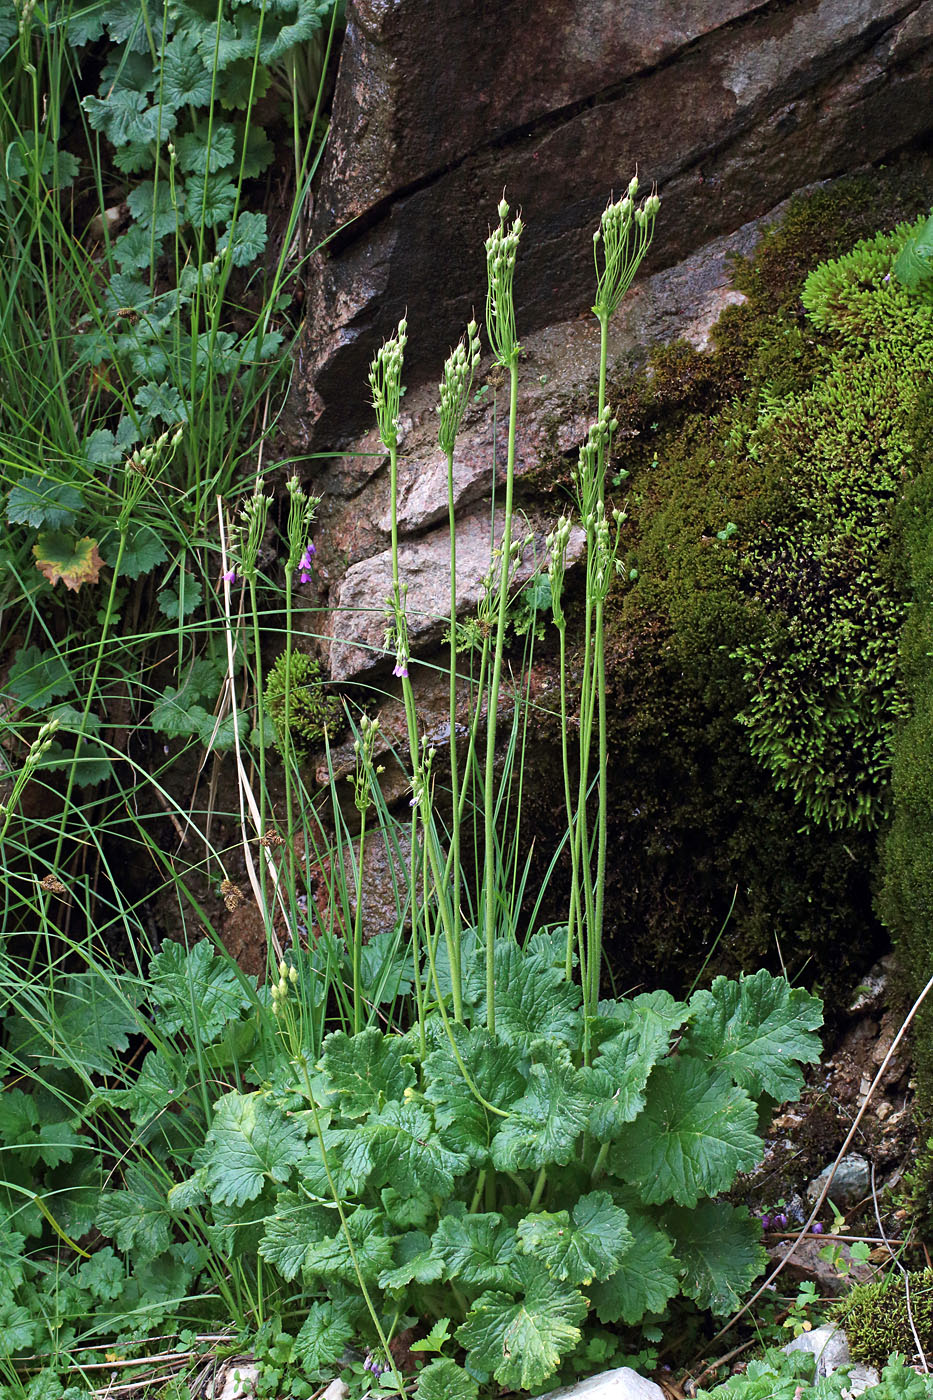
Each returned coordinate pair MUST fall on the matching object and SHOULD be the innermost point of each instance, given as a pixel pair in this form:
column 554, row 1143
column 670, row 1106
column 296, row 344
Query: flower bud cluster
column 501, row 253
column 455, row 386
column 253, row 519
column 385, row 381
column 422, row 776
column 141, row 466
column 625, row 232
column 42, row 742
column 288, row 976
column 364, row 748
column 593, row 454
column 37, row 749
column 301, row 508
column 603, row 555
column 556, row 544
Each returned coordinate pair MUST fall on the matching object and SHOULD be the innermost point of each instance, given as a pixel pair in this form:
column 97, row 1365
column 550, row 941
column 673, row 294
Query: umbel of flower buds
column 455, row 386
column 301, row 508
column 556, row 544
column 501, row 253
column 385, row 381
column 625, row 233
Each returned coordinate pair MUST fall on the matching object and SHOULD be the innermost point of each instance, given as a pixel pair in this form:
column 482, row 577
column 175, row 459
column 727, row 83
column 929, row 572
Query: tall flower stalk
column 385, row 382
column 301, row 509
column 253, row 519
column 454, row 395
column 624, row 236
column 501, row 254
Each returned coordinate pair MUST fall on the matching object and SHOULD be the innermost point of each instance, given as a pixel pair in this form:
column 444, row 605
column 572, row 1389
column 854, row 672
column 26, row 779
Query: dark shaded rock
column 728, row 112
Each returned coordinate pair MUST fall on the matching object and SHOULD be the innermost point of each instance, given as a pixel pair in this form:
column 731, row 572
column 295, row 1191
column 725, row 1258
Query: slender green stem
column 505, row 557
column 568, row 807
column 286, row 727
column 344, row 1224
column 427, row 822
column 358, row 931
column 596, row 944
column 454, row 854
column 257, row 662
column 600, row 1163
column 538, row 1192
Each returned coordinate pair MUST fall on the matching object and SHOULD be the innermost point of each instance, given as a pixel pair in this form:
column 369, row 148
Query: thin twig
column 694, row 1381
column 842, row 1238
column 832, row 1172
column 910, row 1311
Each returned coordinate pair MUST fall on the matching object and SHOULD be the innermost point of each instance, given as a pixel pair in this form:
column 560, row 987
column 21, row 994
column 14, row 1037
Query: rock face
column 557, row 374
column 728, row 105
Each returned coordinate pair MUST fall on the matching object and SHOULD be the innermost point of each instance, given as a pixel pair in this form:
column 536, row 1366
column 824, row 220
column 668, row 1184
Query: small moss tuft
column 296, row 678
column 875, row 1317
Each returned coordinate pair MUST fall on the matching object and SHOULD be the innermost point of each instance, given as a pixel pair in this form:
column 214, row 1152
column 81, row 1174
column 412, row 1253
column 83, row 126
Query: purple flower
column 400, row 669
column 817, row 1228
column 305, row 566
column 230, row 576
column 781, row 1221
column 766, row 1222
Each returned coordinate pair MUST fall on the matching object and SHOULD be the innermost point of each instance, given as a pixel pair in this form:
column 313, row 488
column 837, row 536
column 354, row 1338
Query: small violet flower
column 305, row 566
column 817, row 1228
column 766, row 1222
column 230, row 576
column 781, row 1221
column 400, row 669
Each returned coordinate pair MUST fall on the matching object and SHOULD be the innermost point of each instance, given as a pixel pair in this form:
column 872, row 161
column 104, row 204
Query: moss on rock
column 876, row 1321
column 760, row 484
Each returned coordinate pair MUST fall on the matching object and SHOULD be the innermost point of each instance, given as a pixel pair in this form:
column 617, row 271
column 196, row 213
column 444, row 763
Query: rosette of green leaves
column 495, row 1179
